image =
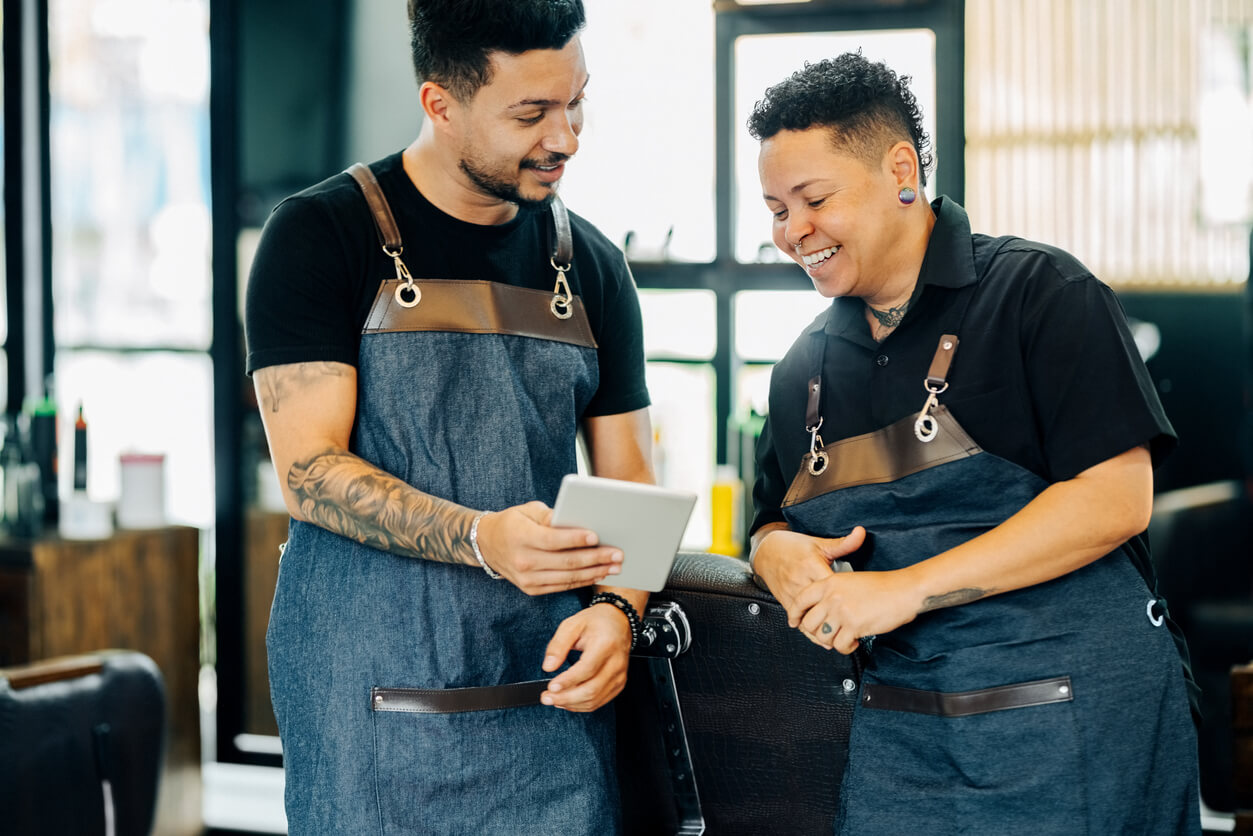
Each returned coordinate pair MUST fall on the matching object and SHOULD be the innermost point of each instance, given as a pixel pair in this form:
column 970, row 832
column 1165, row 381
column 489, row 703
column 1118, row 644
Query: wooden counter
column 264, row 532
column 1242, row 744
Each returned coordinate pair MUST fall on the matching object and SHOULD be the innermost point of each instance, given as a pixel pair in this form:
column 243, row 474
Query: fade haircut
column 864, row 105
column 451, row 40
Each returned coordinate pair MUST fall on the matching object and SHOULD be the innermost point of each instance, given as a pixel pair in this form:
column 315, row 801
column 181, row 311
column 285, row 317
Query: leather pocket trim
column 966, row 703
column 457, row 700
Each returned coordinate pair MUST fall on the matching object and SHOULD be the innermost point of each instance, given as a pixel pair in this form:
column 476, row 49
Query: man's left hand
column 602, row 635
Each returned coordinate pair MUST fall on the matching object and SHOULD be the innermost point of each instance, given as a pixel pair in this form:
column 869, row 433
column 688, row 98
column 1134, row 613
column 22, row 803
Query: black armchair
column 81, row 745
column 1202, row 541
column 731, row 721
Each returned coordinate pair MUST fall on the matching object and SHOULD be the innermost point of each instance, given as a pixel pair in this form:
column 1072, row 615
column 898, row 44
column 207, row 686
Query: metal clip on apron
column 925, row 425
column 409, row 295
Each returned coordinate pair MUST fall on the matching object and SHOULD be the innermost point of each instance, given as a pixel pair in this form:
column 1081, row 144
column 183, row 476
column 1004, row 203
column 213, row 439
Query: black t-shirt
column 319, row 263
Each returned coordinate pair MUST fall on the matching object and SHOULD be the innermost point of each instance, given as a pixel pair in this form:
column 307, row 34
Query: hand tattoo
column 826, row 628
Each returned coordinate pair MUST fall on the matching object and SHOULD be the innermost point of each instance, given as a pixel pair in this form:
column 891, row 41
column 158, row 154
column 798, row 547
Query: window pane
column 764, row 60
column 683, row 428
column 130, row 175
column 679, row 324
column 767, row 322
column 149, row 402
column 1226, row 121
column 645, row 163
column 752, row 389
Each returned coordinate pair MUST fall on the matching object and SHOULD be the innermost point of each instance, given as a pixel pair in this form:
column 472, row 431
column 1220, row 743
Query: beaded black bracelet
column 627, row 608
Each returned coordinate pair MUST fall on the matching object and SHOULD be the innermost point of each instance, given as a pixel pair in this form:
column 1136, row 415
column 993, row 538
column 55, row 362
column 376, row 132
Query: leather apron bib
column 1059, row 708
column 470, row 391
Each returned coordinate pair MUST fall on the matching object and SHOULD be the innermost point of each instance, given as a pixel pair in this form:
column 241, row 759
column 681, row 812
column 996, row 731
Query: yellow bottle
column 724, row 512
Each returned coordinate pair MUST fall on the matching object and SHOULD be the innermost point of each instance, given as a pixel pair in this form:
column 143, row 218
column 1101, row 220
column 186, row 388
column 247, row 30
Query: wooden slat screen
column 1082, row 131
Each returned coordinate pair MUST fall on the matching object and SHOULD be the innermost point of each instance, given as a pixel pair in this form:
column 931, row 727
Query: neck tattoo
column 891, row 317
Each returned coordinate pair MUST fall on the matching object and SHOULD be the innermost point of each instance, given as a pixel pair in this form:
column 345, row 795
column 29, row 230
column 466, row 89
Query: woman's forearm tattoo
column 953, row 599
column 347, row 495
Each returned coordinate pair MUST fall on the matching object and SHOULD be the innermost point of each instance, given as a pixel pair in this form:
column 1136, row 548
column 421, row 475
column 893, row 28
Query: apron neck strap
column 813, row 402
column 937, row 375
column 384, row 223
column 561, row 241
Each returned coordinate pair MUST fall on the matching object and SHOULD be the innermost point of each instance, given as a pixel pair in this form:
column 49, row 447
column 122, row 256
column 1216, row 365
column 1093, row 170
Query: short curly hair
column 864, row 104
column 451, row 40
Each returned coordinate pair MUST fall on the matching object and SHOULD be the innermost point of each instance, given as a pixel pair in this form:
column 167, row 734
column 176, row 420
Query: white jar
column 141, row 503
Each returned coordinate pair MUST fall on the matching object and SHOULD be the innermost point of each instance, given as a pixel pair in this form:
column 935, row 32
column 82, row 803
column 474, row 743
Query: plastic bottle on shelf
column 724, row 508
column 43, row 442
column 20, row 488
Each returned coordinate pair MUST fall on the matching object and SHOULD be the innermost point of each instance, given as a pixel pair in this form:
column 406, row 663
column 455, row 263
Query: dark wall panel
column 291, row 108
column 1200, row 370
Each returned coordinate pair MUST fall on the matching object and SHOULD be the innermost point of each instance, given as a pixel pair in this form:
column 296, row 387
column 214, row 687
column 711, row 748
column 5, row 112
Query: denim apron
column 470, row 391
column 1056, row 709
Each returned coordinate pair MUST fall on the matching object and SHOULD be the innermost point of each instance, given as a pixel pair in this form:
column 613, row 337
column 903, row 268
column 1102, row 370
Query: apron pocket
column 966, row 703
column 966, row 762
column 441, row 755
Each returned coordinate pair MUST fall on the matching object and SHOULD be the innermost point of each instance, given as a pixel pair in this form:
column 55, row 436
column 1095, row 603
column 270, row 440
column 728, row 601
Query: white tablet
column 644, row 521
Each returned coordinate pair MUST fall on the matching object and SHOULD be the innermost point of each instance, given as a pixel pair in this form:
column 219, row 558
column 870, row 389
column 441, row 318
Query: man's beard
column 495, row 184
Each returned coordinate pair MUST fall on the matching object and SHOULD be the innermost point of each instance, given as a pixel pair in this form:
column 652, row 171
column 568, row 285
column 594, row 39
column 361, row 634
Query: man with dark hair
column 426, row 337
column 970, row 426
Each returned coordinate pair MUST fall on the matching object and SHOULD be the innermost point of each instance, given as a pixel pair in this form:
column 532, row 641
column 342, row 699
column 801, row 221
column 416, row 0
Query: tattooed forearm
column 348, row 495
column 953, row 599
column 275, row 382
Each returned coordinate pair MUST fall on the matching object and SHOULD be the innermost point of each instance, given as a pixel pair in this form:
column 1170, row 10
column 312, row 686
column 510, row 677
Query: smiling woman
column 762, row 59
column 1000, row 508
column 839, row 209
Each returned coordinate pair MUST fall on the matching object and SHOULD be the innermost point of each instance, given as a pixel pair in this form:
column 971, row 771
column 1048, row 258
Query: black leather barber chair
column 1202, row 541
column 81, row 745
column 731, row 722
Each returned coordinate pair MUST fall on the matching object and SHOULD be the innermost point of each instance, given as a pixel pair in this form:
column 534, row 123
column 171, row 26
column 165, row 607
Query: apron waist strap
column 965, row 703
column 455, row 700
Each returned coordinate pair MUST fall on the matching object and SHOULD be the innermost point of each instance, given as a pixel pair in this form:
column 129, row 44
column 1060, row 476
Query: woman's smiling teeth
column 814, row 259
